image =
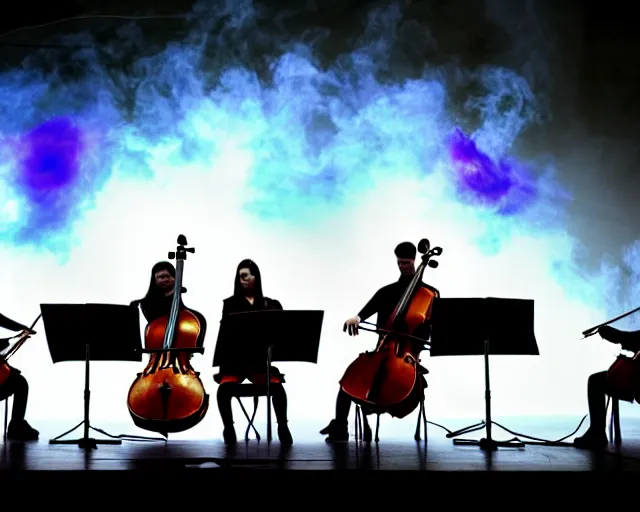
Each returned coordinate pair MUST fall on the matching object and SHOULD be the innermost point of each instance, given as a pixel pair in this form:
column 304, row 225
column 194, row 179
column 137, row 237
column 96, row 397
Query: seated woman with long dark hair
column 248, row 296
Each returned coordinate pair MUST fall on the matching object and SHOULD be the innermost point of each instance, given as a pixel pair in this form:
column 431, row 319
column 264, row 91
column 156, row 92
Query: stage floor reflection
column 438, row 453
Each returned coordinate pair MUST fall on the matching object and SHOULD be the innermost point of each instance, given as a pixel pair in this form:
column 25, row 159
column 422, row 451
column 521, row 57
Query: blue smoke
column 316, row 133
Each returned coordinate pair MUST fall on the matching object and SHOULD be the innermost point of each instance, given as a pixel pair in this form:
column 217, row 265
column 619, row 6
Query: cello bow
column 378, row 330
column 593, row 330
column 22, row 338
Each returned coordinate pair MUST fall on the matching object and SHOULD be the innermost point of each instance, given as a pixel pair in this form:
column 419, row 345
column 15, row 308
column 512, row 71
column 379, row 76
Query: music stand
column 259, row 338
column 91, row 332
column 491, row 326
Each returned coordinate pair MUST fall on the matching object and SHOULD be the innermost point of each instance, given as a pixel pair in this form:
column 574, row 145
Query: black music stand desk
column 258, row 338
column 91, row 332
column 489, row 326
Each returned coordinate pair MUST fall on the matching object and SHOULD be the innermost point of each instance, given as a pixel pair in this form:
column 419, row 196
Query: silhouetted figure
column 157, row 302
column 248, row 296
column 18, row 387
column 383, row 303
column 598, row 388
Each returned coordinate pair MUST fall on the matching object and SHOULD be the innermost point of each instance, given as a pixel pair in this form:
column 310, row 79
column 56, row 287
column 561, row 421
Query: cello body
column 389, row 379
column 169, row 396
column 5, row 371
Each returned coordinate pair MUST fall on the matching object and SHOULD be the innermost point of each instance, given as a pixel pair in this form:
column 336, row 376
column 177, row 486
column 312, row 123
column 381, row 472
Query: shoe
column 591, row 441
column 22, row 431
column 284, row 434
column 336, row 432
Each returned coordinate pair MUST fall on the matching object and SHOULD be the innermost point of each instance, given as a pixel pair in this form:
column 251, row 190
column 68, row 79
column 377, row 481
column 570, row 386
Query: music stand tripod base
column 86, row 442
column 488, row 444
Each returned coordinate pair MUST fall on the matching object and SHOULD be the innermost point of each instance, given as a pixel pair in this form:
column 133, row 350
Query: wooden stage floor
column 437, row 454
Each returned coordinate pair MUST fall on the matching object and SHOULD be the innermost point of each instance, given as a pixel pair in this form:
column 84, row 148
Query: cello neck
column 424, row 248
column 170, row 332
column 405, row 300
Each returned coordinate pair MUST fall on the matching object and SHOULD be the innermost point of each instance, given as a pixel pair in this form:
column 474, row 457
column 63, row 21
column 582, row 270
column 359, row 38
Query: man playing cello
column 383, row 304
column 599, row 385
column 16, row 385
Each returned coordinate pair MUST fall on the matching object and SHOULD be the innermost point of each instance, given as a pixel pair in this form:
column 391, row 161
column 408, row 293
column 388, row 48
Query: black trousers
column 18, row 387
column 597, row 392
column 343, row 406
column 228, row 390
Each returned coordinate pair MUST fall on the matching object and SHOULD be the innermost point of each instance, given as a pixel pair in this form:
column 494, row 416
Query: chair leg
column 358, row 422
column 609, row 400
column 615, row 413
column 377, row 428
column 250, row 420
column 6, row 418
column 418, row 423
column 424, row 419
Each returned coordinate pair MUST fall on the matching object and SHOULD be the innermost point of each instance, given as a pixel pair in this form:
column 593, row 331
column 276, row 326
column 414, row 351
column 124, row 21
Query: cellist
column 18, row 387
column 383, row 304
column 598, row 387
column 157, row 301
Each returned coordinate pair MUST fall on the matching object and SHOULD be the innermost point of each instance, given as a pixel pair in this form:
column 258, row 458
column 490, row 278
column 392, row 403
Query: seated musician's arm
column 629, row 340
column 11, row 325
column 145, row 308
column 275, row 304
column 371, row 307
column 4, row 343
column 226, row 309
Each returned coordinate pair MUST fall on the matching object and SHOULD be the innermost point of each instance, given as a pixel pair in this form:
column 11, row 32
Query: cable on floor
column 546, row 442
column 130, row 437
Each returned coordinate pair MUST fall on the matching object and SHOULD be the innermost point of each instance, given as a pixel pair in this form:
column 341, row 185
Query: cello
column 386, row 379
column 168, row 396
column 5, row 369
column 623, row 376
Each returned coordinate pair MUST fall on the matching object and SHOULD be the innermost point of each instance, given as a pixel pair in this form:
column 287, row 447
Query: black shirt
column 386, row 299
column 238, row 304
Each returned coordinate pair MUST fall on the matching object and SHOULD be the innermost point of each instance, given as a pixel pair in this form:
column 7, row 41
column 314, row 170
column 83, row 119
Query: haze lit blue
column 316, row 169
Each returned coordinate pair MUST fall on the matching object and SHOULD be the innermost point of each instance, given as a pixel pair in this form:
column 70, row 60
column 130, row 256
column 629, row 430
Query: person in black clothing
column 598, row 387
column 383, row 303
column 248, row 296
column 18, row 387
column 157, row 301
